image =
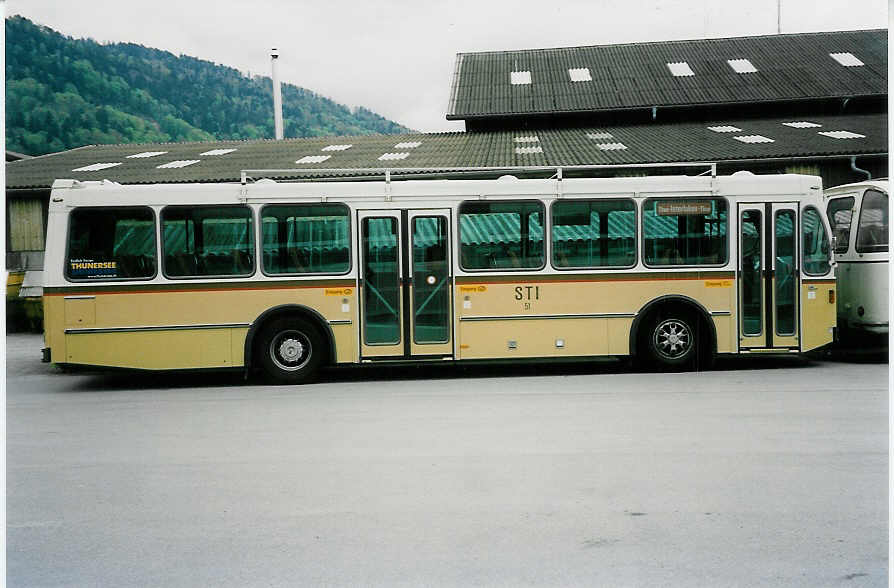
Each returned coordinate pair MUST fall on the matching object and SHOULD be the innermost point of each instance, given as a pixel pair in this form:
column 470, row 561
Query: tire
column 672, row 341
column 290, row 351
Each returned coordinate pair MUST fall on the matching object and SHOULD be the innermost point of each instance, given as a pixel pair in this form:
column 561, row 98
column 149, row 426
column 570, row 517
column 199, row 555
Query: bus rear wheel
column 290, row 351
column 672, row 341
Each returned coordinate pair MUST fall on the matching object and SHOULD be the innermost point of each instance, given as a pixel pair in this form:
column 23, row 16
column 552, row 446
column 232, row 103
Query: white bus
column 290, row 276
column 858, row 214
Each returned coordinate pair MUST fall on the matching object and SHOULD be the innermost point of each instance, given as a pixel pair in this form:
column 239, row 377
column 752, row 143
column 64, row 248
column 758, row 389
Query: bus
column 862, row 257
column 286, row 277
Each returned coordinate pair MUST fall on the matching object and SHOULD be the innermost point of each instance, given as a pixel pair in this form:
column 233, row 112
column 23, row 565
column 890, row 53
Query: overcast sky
column 396, row 57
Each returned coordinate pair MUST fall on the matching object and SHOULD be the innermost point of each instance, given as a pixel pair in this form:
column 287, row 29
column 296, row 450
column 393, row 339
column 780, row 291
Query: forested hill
column 63, row 93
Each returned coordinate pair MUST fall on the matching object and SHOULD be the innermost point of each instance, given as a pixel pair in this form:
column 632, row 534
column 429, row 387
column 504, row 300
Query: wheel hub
column 291, row 349
column 672, row 339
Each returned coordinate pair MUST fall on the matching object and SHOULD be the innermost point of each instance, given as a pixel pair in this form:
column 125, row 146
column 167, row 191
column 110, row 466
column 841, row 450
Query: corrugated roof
column 631, row 144
column 789, row 67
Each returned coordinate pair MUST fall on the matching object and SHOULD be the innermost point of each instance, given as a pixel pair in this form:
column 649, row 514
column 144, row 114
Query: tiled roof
column 718, row 141
column 670, row 73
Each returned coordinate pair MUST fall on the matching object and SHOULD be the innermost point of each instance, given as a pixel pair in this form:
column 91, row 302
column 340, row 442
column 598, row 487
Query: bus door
column 406, row 307
column 769, row 278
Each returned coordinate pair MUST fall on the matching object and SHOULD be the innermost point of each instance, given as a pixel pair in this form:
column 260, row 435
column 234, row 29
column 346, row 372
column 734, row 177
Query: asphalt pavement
column 769, row 472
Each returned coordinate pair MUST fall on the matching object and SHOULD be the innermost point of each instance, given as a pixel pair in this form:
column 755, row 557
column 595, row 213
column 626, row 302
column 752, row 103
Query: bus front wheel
column 290, row 351
column 672, row 341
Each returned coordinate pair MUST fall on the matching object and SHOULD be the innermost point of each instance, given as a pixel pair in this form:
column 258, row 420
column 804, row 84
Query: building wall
column 26, row 221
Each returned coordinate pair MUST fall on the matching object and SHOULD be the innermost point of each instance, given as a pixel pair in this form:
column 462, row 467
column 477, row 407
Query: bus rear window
column 685, row 231
column 111, row 244
column 300, row 239
column 207, row 241
column 501, row 235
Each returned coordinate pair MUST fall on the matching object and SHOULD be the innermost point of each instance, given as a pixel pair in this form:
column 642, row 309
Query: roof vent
column 743, row 172
column 313, row 159
column 218, row 152
column 336, row 147
column 802, row 124
column 680, row 69
column 177, row 164
column 408, row 145
column 146, row 154
column 527, row 139
column 528, row 150
column 519, row 78
column 842, row 135
column 507, row 178
column 846, row 59
column 725, row 129
column 393, row 156
column 599, row 136
column 96, row 166
column 742, row 66
column 754, row 139
column 580, row 74
column 265, row 181
column 611, row 146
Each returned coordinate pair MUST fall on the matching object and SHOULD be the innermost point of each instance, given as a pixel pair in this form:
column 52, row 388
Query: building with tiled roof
column 806, row 73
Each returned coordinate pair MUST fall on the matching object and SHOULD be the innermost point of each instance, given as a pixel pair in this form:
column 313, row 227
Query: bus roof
column 105, row 193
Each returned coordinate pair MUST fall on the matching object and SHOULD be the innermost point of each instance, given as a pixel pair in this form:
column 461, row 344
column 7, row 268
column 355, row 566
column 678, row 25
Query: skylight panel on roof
column 741, row 66
column 846, row 59
column 518, row 78
column 842, row 135
column 313, row 159
column 178, row 163
column 599, row 136
column 218, row 152
column 408, row 145
column 336, row 147
column 528, row 150
column 802, row 124
column 611, row 146
column 527, row 139
column 146, row 154
column 754, row 139
column 725, row 129
column 393, row 156
column 580, row 74
column 680, row 69
column 96, row 166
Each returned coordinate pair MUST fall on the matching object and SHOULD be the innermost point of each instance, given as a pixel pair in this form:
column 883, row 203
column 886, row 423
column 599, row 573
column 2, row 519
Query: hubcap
column 290, row 350
column 672, row 339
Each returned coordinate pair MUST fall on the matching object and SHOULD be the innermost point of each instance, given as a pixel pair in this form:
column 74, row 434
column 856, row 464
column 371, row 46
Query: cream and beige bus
column 287, row 277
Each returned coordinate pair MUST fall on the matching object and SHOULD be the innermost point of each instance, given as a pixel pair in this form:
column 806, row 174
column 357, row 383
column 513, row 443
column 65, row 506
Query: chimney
column 277, row 95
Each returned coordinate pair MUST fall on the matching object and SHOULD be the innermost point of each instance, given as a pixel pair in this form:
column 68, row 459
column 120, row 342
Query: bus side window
column 814, row 244
column 684, row 231
column 840, row 211
column 111, row 243
column 302, row 238
column 593, row 233
column 872, row 234
column 207, row 241
column 501, row 235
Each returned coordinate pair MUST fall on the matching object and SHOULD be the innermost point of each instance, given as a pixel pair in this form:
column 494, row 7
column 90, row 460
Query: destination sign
column 683, row 208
